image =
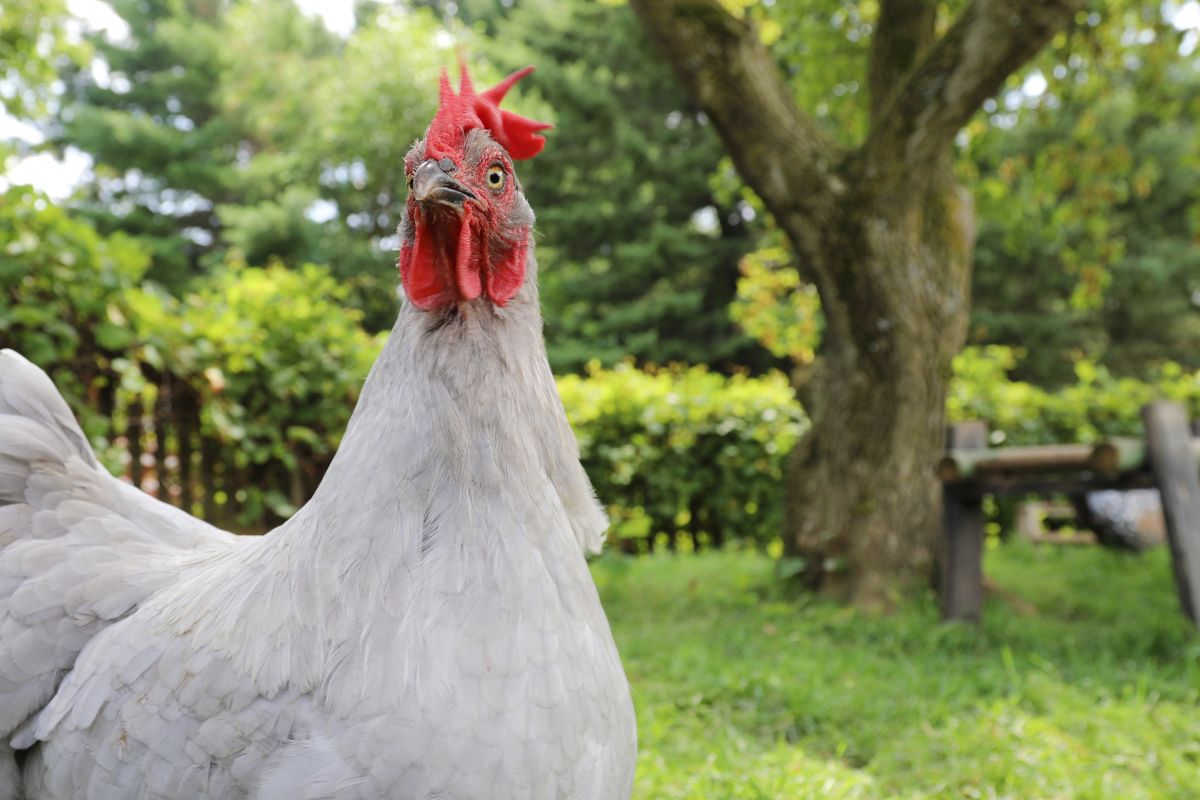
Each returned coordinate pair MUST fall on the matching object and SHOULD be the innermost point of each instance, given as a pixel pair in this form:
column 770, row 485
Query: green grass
column 1082, row 682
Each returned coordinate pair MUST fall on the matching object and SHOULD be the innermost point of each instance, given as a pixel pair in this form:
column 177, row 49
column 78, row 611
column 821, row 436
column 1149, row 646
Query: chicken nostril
column 447, row 165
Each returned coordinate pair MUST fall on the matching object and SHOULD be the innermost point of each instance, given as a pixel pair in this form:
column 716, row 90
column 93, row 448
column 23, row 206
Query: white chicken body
column 425, row 627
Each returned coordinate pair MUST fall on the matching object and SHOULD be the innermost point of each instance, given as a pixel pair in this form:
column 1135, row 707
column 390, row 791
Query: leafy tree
column 883, row 229
column 34, row 46
column 1088, row 206
column 1084, row 186
column 206, row 146
column 190, row 126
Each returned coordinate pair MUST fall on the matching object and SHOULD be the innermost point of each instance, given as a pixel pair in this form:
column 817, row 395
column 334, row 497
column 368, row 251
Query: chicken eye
column 495, row 176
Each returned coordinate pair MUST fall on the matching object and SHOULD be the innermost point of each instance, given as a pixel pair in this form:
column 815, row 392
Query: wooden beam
column 1168, row 438
column 962, row 532
column 1112, row 456
column 962, row 463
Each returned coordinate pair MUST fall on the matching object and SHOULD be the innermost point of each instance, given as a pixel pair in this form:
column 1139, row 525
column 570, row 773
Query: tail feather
column 78, row 548
column 28, row 392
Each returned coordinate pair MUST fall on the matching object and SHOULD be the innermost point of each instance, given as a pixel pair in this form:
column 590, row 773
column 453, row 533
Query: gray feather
column 426, row 626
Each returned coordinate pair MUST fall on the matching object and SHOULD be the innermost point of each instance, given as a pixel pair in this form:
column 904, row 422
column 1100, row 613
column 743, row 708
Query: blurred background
column 197, row 241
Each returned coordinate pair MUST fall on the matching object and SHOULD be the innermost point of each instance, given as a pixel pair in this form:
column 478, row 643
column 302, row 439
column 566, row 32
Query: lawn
column 1082, row 682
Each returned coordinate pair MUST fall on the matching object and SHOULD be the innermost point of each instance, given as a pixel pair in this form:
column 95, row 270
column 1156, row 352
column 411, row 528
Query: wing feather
column 79, row 549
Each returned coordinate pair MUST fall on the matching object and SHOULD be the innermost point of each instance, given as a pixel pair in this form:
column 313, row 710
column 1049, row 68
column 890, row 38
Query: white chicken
column 425, row 627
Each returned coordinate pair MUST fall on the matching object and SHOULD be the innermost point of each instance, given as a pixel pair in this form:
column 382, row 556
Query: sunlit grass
column 1082, row 682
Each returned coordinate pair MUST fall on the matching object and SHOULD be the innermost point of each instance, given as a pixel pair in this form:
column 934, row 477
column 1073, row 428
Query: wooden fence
column 169, row 458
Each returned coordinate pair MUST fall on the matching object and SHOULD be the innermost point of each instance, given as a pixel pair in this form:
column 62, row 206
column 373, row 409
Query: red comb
column 460, row 113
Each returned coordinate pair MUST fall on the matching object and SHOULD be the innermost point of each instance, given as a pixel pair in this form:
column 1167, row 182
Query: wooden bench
column 1167, row 459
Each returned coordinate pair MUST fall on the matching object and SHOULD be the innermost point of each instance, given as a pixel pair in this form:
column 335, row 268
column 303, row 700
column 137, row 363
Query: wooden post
column 962, row 527
column 186, row 414
column 133, row 434
column 160, row 416
column 209, row 480
column 1168, row 440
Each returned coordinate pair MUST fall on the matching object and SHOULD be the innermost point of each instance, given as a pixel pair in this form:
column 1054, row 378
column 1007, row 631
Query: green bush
column 274, row 359
column 683, row 455
column 63, row 298
column 1097, row 405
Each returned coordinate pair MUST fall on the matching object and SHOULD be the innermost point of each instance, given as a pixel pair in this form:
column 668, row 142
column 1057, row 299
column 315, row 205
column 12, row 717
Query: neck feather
column 459, row 425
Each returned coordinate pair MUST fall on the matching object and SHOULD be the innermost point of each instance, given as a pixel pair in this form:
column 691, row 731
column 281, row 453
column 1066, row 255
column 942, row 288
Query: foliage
column 825, row 48
column 684, row 454
column 272, row 359
column 1080, row 682
column 1083, row 175
column 64, row 297
column 275, row 360
column 215, row 150
column 1086, row 193
column 34, row 46
column 252, row 131
column 195, row 116
column 776, row 307
column 1098, row 404
column 243, row 132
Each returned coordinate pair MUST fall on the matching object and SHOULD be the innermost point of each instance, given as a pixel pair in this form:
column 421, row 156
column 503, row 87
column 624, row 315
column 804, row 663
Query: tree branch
column 903, row 33
column 989, row 41
column 775, row 146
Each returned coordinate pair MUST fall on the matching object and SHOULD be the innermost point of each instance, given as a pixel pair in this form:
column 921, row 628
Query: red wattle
column 507, row 276
column 466, row 271
column 427, row 287
column 417, row 271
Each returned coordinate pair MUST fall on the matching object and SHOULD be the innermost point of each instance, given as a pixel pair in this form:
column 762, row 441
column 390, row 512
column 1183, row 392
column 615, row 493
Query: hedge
column 1098, row 404
column 684, row 455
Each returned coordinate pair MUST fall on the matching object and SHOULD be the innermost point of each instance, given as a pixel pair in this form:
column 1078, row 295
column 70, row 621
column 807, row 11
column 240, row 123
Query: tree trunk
column 862, row 500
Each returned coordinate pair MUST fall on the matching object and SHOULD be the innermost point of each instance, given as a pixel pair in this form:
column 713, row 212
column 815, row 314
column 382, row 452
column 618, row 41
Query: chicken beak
column 431, row 184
